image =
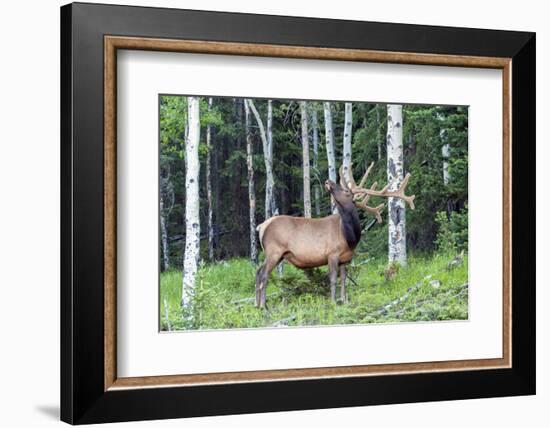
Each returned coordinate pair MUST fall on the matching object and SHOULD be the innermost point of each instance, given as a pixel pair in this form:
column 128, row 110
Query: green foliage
column 295, row 282
column 432, row 287
column 426, row 129
column 427, row 290
column 452, row 235
column 173, row 119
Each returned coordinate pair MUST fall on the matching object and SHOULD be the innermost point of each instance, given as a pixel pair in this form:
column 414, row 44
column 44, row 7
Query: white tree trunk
column 185, row 137
column 273, row 205
column 331, row 158
column 305, row 160
column 192, row 220
column 397, row 235
column 251, row 191
column 346, row 154
column 267, row 143
column 445, row 150
column 164, row 235
column 378, row 133
column 166, row 194
column 209, row 186
column 315, row 137
column 274, row 209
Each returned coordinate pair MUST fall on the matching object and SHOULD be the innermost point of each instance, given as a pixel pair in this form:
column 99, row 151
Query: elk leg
column 259, row 274
column 343, row 274
column 270, row 263
column 333, row 267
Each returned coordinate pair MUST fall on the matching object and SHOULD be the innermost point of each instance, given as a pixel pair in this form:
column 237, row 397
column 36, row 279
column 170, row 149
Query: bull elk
column 313, row 242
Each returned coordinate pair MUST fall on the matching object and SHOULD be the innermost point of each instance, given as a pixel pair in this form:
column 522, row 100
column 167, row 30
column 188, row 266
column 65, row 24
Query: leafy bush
column 295, row 282
column 452, row 235
column 374, row 242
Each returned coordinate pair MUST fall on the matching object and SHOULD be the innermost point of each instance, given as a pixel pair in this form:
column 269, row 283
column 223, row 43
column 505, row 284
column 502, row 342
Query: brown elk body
column 309, row 243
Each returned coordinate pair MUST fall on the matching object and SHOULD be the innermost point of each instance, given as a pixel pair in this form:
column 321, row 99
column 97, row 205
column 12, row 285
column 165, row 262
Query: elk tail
column 262, row 227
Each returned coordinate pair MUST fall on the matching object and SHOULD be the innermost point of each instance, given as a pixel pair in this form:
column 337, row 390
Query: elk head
column 360, row 195
column 343, row 197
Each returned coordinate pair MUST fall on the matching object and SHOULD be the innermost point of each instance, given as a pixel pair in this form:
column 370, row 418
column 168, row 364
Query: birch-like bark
column 274, row 209
column 346, row 153
column 267, row 143
column 273, row 205
column 397, row 234
column 251, row 192
column 185, row 137
column 445, row 150
column 166, row 196
column 192, row 219
column 315, row 138
column 305, row 160
column 209, row 186
column 164, row 236
column 331, row 158
column 378, row 133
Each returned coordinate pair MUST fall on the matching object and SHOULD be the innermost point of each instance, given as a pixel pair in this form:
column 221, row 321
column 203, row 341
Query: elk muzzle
column 330, row 186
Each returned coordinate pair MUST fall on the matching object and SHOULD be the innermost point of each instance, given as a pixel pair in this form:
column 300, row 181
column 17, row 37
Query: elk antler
column 343, row 181
column 372, row 210
column 361, row 195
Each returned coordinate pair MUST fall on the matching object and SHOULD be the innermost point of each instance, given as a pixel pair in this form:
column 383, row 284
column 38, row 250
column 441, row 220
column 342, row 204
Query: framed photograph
column 266, row 213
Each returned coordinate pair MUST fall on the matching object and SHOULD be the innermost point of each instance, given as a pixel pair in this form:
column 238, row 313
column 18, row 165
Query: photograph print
column 280, row 213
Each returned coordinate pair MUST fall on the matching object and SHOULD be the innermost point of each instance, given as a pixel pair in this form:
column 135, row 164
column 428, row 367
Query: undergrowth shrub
column 452, row 235
column 295, row 283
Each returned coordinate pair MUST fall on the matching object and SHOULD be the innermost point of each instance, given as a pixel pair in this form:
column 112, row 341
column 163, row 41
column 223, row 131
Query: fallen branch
column 369, row 226
column 463, row 288
column 385, row 309
column 364, row 262
column 284, row 321
column 402, row 298
column 245, row 300
column 410, row 290
column 353, row 265
column 252, row 299
column 352, row 280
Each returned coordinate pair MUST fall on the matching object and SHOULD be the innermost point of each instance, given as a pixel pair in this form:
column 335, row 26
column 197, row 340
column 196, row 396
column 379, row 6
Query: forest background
column 227, row 164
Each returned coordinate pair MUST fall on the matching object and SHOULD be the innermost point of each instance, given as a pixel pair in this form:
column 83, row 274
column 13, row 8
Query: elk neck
column 349, row 222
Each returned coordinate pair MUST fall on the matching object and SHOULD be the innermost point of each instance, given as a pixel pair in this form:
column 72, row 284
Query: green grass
column 426, row 290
